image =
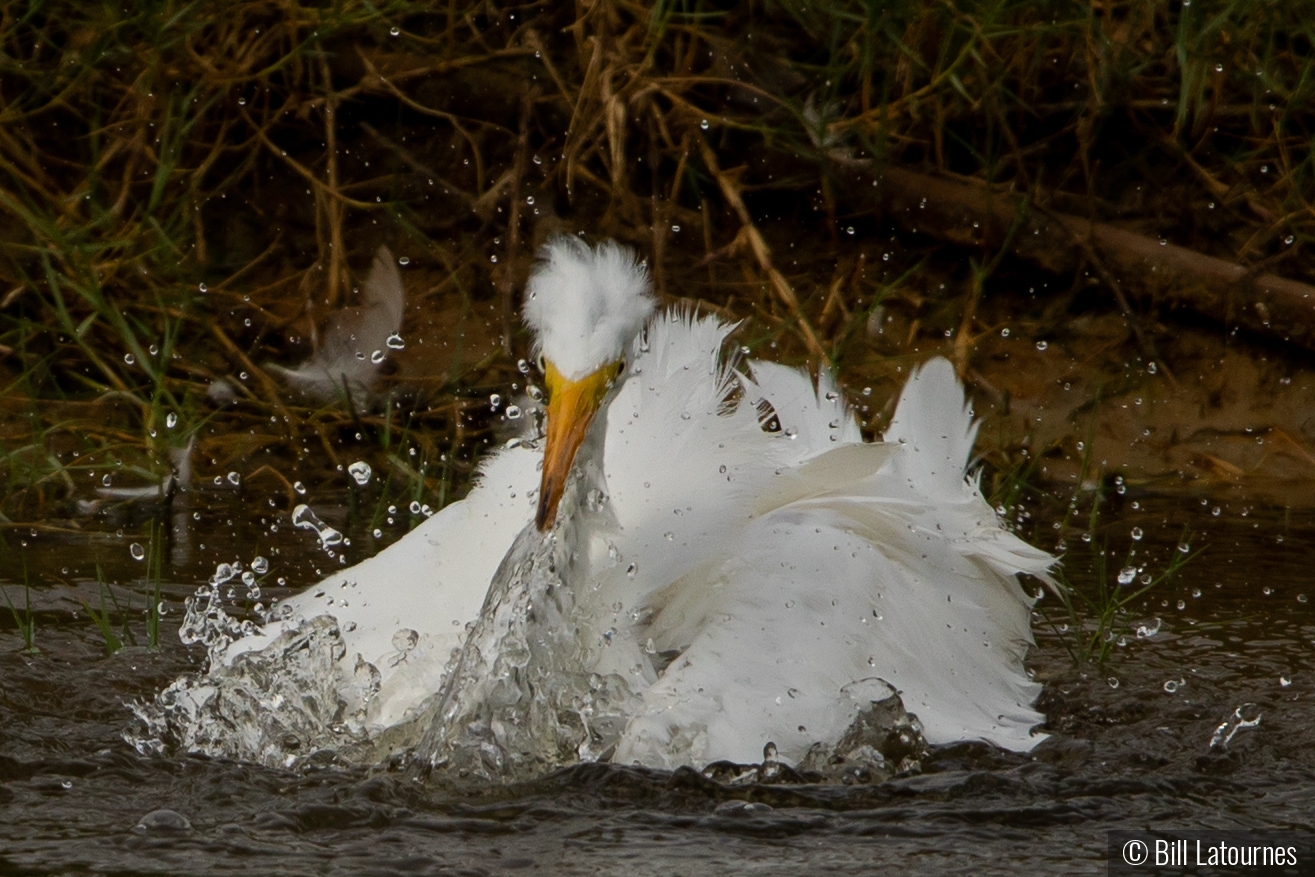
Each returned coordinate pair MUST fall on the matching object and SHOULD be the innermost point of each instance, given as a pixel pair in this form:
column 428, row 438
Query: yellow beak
column 571, row 408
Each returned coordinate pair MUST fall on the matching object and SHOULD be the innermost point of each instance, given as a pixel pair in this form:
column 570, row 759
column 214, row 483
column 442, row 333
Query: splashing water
column 521, row 700
column 519, row 697
column 1244, row 718
column 274, row 708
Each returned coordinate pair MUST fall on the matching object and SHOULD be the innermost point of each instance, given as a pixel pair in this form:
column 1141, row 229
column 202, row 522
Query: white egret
column 744, row 584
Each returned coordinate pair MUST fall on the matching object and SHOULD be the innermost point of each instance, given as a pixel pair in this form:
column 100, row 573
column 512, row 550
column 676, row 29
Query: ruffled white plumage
column 787, row 567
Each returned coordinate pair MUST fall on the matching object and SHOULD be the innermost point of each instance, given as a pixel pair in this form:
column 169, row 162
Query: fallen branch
column 1162, row 273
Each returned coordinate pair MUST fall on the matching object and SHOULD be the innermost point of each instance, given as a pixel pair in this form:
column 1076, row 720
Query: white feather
column 353, row 338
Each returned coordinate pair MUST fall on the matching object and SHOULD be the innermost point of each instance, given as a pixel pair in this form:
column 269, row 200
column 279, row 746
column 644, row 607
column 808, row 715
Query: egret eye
column 620, row 370
column 538, row 361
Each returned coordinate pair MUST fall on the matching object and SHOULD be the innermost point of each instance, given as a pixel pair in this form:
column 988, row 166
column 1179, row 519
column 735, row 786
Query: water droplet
column 202, row 286
column 1173, row 685
column 360, row 472
column 137, row 551
column 299, row 487
column 494, row 401
column 405, row 639
column 234, row 479
column 414, row 507
column 1219, row 68
column 1127, row 574
column 162, row 822
column 631, row 570
column 1004, row 333
column 1216, row 511
column 513, row 412
column 395, row 342
column 704, row 124
column 1137, row 534
column 523, row 366
column 303, row 517
column 171, row 420
column 1042, row 345
column 1284, row 681
column 1113, row 682
column 675, row 229
column 259, row 565
column 377, row 357
column 395, row 31
column 1288, row 240
column 129, row 358
column 1145, row 631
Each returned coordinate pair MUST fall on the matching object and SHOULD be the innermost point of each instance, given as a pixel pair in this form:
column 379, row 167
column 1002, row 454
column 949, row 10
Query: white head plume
column 586, row 304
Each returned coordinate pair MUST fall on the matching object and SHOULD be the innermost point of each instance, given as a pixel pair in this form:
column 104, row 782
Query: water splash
column 277, row 707
column 1244, row 718
column 883, row 740
column 521, row 699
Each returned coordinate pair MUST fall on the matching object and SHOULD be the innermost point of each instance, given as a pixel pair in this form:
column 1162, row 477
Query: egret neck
column 571, row 408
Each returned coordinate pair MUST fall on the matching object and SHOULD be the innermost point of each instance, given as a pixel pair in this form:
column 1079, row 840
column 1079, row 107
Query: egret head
column 584, row 305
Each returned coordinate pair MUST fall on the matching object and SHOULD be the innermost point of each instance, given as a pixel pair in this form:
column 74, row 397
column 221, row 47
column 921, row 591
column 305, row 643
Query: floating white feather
column 354, row 340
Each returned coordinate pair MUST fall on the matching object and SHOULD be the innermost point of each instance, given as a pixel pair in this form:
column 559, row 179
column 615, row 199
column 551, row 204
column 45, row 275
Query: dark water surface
column 1125, row 752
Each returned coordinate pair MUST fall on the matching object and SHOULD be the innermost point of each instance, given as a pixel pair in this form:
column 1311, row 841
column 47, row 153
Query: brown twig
column 761, row 253
column 506, row 278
